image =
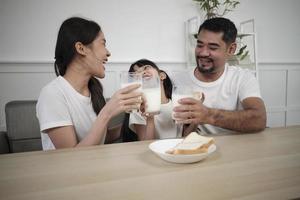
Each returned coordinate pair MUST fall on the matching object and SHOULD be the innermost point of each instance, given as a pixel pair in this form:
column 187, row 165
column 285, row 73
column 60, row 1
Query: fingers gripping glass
column 180, row 92
column 131, row 78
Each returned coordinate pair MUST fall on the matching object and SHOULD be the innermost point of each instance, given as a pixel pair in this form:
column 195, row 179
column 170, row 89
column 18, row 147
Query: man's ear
column 162, row 75
column 80, row 48
column 232, row 48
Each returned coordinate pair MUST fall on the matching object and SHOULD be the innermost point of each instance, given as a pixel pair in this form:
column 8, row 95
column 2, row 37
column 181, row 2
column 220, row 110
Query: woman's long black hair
column 127, row 133
column 74, row 30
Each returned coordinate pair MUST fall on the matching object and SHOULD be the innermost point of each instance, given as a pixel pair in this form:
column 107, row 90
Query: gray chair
column 115, row 125
column 22, row 126
column 23, row 131
column 4, row 147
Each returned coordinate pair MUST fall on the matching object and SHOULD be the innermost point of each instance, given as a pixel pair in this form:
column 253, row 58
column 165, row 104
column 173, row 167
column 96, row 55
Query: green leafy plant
column 216, row 8
column 241, row 54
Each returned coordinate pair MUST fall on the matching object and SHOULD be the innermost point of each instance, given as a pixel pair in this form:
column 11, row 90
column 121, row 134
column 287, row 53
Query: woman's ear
column 80, row 48
column 162, row 75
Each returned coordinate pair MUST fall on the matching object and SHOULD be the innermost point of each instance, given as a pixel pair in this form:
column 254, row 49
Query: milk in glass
column 183, row 91
column 131, row 78
column 152, row 94
column 153, row 99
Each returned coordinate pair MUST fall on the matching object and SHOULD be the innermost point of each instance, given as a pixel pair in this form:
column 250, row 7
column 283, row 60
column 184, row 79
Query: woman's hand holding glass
column 124, row 100
column 131, row 78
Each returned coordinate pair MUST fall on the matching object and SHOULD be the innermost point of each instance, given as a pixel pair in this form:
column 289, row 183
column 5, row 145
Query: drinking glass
column 152, row 94
column 130, row 78
column 180, row 92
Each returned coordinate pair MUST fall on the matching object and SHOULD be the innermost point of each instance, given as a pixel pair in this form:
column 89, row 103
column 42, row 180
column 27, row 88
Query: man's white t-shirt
column 227, row 93
column 59, row 104
column 164, row 124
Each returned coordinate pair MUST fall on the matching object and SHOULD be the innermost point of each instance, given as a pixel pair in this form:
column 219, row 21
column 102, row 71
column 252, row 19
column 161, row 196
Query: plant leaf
column 241, row 50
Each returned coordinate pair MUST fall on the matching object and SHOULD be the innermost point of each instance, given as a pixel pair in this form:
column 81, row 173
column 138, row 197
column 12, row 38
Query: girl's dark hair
column 167, row 83
column 74, row 30
column 168, row 86
column 127, row 133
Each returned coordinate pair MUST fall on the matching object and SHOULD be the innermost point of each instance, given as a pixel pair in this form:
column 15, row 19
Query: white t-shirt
column 59, row 104
column 234, row 85
column 164, row 125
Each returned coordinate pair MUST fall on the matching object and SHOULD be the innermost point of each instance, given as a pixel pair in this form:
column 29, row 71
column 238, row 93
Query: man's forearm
column 242, row 121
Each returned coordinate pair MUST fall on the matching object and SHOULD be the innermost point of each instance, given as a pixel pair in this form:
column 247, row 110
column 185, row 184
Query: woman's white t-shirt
column 59, row 104
column 164, row 124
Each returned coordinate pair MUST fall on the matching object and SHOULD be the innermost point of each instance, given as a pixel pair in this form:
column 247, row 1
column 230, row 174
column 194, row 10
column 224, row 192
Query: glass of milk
column 130, row 78
column 152, row 94
column 179, row 92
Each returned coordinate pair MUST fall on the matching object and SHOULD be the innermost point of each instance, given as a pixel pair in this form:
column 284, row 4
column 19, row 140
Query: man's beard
column 204, row 70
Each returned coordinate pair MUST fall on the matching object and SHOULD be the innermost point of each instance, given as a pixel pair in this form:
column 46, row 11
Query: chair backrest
column 4, row 148
column 116, row 124
column 127, row 134
column 22, row 126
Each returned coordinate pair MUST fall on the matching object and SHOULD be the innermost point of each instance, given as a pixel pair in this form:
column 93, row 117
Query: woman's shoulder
column 53, row 88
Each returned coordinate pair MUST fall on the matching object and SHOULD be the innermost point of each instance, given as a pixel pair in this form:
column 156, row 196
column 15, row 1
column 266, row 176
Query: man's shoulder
column 238, row 68
column 239, row 71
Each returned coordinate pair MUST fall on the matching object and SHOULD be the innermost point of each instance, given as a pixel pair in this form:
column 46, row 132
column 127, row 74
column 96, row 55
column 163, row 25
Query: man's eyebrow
column 213, row 44
column 210, row 44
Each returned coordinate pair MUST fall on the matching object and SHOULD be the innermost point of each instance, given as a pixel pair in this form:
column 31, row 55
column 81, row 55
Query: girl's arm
column 146, row 132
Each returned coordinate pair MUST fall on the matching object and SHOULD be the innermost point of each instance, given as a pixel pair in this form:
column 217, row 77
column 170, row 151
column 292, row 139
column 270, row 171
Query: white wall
column 151, row 29
column 277, row 26
column 133, row 28
column 140, row 28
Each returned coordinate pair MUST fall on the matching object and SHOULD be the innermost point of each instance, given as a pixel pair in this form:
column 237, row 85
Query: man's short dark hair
column 221, row 25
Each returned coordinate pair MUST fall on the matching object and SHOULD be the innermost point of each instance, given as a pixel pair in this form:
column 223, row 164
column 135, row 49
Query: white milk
column 137, row 90
column 176, row 98
column 132, row 83
column 153, row 98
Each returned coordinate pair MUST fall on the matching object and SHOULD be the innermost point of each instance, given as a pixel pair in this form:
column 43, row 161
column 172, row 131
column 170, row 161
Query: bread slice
column 192, row 144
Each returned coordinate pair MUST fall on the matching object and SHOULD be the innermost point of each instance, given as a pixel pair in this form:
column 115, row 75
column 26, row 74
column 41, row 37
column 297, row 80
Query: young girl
column 71, row 109
column 159, row 126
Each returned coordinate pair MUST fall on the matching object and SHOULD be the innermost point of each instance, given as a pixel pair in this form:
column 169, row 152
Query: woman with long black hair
column 71, row 109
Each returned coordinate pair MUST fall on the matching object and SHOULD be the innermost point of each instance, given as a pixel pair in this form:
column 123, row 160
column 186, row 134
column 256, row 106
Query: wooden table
column 253, row 166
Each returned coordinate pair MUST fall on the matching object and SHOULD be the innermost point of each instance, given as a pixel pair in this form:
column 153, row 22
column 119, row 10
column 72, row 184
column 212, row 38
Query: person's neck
column 164, row 99
column 208, row 77
column 78, row 79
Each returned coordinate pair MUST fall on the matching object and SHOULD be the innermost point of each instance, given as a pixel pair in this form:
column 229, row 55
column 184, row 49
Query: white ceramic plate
column 161, row 146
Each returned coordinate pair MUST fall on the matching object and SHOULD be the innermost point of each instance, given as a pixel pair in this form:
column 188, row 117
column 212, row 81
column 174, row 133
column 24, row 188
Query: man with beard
column 232, row 100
